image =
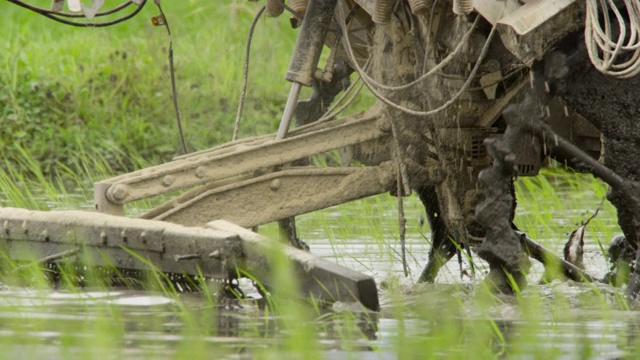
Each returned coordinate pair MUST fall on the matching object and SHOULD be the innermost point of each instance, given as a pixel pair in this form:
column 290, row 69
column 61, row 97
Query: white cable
column 440, row 65
column 366, row 79
column 604, row 51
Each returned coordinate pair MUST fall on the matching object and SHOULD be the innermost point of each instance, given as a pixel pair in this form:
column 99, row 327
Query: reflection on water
column 572, row 321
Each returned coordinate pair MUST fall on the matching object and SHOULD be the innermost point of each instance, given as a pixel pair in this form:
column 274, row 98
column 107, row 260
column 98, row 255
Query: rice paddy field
column 78, row 105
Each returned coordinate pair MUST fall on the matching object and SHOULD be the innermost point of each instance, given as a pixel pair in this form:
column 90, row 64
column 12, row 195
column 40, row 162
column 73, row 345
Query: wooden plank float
column 215, row 251
column 319, row 278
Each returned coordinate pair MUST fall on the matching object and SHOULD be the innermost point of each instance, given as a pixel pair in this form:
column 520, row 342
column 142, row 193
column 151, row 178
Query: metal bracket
column 278, row 195
column 228, row 161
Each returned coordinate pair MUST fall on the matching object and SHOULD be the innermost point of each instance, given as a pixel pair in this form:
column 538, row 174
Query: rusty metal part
column 382, row 11
column 273, row 8
column 321, row 280
column 221, row 163
column 280, row 195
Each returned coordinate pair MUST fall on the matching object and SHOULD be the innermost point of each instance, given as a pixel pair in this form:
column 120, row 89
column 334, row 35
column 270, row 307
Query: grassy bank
column 78, row 105
column 105, row 92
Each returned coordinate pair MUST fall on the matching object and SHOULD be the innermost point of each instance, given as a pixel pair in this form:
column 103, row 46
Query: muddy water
column 138, row 324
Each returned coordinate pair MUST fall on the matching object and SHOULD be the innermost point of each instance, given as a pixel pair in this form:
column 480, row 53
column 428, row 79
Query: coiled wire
column 619, row 58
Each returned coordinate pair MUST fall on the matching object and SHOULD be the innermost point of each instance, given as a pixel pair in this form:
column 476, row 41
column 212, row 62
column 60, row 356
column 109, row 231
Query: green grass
column 79, row 105
column 108, row 91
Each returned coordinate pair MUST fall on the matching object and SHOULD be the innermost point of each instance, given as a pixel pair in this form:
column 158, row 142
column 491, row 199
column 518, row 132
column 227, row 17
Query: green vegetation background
column 79, row 104
column 72, row 96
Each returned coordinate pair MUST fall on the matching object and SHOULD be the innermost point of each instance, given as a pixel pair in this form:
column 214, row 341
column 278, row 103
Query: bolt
column 103, row 237
column 45, row 235
column 200, row 172
column 168, row 180
column 275, row 184
column 216, row 255
column 118, row 193
column 24, row 227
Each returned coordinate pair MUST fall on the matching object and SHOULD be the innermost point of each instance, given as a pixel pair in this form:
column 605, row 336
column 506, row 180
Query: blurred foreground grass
column 77, row 105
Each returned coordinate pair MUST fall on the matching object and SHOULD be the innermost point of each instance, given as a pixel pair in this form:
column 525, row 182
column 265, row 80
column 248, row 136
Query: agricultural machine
column 471, row 94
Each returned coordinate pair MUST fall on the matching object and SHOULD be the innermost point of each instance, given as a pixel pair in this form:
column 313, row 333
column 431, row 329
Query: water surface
column 565, row 320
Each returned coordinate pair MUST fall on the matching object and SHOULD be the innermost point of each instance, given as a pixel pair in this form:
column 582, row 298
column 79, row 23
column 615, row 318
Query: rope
column 245, row 73
column 605, row 53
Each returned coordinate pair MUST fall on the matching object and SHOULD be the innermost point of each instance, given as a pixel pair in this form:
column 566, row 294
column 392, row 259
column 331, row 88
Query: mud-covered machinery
column 470, row 95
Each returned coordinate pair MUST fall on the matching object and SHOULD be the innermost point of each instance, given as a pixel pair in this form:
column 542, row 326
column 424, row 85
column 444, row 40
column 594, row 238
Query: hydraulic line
column 245, row 74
